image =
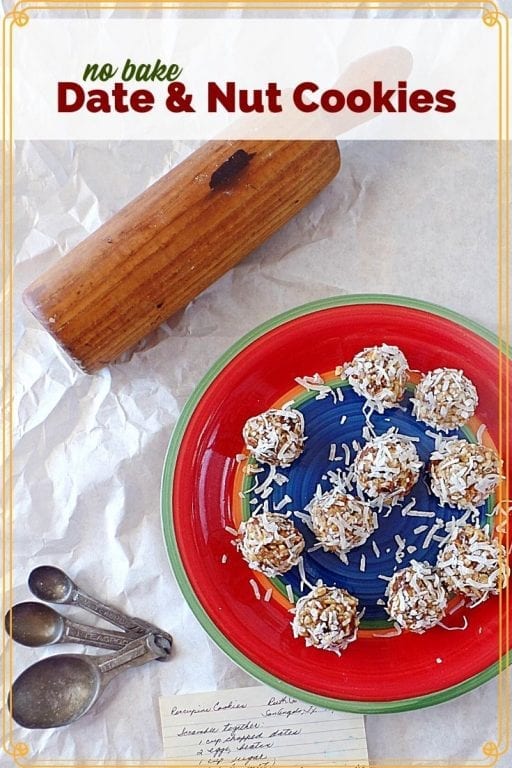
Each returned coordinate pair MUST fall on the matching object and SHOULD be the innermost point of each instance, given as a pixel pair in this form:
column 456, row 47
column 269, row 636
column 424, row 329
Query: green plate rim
column 364, row 707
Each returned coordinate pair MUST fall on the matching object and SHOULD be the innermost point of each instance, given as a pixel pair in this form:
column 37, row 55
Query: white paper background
column 416, row 219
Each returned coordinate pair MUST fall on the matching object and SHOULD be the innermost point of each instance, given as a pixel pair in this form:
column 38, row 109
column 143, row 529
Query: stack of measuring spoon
column 61, row 688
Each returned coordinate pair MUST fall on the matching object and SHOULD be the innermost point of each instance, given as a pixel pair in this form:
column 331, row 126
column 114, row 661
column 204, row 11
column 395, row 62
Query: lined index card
column 258, row 728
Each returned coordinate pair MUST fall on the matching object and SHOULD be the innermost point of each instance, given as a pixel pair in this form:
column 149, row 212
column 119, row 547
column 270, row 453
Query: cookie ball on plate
column 416, row 597
column 270, row 543
column 473, row 564
column 387, row 467
column 464, row 474
column 444, row 399
column 379, row 374
column 327, row 618
column 275, row 436
column 340, row 521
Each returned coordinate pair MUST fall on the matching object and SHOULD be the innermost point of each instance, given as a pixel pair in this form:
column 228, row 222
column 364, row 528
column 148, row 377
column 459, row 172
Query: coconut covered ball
column 340, row 521
column 379, row 374
column 463, row 474
column 444, row 399
column 270, row 543
column 416, row 597
column 473, row 564
column 327, row 618
column 275, row 436
column 387, row 467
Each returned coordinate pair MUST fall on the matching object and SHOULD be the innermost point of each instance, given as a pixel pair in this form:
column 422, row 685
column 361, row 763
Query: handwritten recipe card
column 257, row 726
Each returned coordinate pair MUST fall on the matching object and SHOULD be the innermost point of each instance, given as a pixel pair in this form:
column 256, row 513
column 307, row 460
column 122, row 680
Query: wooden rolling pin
column 161, row 250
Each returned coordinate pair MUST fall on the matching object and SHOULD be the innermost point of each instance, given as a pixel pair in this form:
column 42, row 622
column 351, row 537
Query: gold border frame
column 492, row 16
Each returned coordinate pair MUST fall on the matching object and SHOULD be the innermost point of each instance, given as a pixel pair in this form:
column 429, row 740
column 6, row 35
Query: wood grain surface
column 166, row 246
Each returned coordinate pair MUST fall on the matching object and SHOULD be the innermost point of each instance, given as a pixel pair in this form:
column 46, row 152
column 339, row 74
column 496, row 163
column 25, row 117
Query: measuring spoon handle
column 100, row 638
column 128, row 623
column 134, row 654
column 132, row 625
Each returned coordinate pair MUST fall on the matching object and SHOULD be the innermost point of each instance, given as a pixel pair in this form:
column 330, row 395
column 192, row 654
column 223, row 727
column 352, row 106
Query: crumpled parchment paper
column 417, row 219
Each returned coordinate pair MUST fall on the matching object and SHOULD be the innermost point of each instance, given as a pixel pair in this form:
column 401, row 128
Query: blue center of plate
column 377, row 557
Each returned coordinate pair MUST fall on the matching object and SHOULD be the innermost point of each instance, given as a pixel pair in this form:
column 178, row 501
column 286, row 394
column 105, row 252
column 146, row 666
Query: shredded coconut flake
column 419, row 529
column 408, row 507
column 480, row 433
column 455, row 629
column 315, row 383
column 428, row 538
column 284, row 501
column 390, row 633
column 418, row 513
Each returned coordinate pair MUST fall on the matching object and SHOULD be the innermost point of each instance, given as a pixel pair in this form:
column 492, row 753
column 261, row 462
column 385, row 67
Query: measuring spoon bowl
column 55, row 691
column 37, row 624
column 51, row 584
column 59, row 689
column 34, row 624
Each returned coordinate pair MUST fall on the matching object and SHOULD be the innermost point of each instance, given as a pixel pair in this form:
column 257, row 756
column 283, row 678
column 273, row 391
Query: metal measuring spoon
column 60, row 689
column 54, row 586
column 36, row 624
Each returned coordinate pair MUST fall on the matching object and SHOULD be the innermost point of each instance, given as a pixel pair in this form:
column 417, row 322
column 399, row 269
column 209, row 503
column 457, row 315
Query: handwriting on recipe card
column 258, row 728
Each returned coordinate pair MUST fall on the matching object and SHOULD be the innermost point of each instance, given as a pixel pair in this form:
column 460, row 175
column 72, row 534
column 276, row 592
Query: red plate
column 200, row 491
